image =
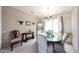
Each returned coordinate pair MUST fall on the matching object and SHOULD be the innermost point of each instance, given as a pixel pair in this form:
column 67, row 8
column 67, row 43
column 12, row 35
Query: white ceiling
column 41, row 11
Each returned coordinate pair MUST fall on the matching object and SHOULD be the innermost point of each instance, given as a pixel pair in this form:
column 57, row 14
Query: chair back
column 64, row 37
column 14, row 34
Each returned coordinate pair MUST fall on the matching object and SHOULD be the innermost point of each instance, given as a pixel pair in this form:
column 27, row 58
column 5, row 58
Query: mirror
column 40, row 27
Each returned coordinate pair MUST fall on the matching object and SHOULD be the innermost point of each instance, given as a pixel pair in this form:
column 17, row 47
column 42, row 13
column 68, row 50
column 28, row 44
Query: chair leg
column 11, row 47
column 21, row 43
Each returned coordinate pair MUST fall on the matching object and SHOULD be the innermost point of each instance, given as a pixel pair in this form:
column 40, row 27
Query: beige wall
column 10, row 18
column 75, row 28
column 78, row 29
column 0, row 28
column 66, row 20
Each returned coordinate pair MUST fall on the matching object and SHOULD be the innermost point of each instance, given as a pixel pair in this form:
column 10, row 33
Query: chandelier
column 48, row 15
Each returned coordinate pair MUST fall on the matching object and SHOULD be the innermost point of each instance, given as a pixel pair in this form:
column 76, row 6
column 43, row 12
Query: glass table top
column 55, row 38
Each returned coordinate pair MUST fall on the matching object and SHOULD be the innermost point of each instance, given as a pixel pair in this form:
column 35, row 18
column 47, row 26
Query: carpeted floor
column 31, row 47
column 27, row 47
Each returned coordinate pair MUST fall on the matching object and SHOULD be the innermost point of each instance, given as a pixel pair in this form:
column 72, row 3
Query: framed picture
column 28, row 23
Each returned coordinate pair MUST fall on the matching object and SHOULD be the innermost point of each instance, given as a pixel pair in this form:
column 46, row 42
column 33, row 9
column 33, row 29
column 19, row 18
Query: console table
column 27, row 35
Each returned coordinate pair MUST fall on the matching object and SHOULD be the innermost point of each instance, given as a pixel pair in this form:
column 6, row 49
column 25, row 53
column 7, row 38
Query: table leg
column 53, row 47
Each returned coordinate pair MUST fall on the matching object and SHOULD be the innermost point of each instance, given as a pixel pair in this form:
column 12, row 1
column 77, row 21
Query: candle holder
column 20, row 22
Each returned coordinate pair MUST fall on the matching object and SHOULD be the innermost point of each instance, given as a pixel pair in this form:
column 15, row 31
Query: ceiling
column 40, row 11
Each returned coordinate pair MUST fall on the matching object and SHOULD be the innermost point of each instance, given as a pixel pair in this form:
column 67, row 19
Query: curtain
column 61, row 25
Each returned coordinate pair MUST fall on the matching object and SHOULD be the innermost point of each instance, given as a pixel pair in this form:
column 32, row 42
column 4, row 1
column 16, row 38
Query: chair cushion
column 15, row 40
column 29, row 35
column 69, row 41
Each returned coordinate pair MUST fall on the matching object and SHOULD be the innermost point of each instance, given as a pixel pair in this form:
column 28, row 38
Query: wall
column 78, row 29
column 0, row 28
column 75, row 27
column 10, row 18
column 66, row 20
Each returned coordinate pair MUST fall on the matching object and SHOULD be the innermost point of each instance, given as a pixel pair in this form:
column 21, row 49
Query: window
column 56, row 25
column 48, row 24
column 53, row 25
